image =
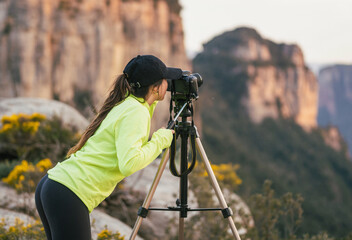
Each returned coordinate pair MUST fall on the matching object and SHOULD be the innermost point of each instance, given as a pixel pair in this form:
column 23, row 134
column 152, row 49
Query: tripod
column 185, row 129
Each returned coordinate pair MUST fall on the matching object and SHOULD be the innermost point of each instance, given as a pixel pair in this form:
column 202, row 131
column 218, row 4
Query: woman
column 114, row 146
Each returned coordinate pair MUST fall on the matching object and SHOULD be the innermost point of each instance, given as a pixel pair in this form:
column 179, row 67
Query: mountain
column 258, row 108
column 279, row 83
column 71, row 50
column 335, row 99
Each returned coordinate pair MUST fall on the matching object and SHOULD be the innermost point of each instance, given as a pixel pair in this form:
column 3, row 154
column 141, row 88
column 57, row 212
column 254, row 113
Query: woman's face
column 162, row 90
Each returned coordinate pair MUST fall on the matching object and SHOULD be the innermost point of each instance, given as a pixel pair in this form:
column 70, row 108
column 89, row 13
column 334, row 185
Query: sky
column 322, row 28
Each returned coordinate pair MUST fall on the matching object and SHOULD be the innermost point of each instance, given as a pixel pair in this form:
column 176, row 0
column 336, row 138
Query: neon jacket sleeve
column 134, row 151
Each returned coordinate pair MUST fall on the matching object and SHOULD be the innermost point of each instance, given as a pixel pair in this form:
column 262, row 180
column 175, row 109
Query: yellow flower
column 23, row 116
column 22, row 177
column 9, row 119
column 9, row 122
column 44, row 165
column 6, row 127
column 18, row 221
column 23, row 122
column 37, row 117
column 104, row 234
column 238, row 181
column 225, row 173
column 219, row 176
column 31, row 183
column 31, row 127
column 16, row 177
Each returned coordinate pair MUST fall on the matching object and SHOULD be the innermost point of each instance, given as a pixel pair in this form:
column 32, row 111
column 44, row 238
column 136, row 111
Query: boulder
column 101, row 221
column 13, row 205
column 10, row 217
column 50, row 108
column 166, row 194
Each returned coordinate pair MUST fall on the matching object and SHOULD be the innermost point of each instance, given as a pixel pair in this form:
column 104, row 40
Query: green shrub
column 108, row 235
column 34, row 137
column 6, row 167
column 19, row 231
column 26, row 176
column 275, row 218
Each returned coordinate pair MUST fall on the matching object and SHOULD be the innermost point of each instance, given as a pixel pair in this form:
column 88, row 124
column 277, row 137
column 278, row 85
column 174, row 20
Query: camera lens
column 199, row 79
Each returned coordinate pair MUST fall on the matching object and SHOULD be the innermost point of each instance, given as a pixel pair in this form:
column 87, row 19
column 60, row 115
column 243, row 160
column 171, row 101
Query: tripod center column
column 184, row 131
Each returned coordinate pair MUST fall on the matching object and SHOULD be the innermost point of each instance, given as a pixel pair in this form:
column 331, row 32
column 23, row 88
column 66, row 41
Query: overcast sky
column 322, row 28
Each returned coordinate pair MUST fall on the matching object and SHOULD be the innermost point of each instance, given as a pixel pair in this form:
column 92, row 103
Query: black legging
column 63, row 214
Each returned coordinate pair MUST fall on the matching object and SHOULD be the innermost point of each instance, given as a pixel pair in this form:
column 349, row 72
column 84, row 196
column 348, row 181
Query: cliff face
column 335, row 99
column 249, row 78
column 277, row 82
column 71, row 50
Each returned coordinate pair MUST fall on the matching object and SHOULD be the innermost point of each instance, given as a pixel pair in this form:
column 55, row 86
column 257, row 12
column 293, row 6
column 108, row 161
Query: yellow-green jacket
column 118, row 148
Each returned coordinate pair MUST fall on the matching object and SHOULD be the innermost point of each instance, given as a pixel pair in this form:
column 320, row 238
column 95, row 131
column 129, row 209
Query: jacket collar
column 143, row 102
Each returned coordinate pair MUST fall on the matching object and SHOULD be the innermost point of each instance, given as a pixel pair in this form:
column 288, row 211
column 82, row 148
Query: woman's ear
column 156, row 89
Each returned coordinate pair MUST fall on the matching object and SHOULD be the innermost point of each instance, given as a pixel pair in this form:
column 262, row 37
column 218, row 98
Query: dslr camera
column 187, row 85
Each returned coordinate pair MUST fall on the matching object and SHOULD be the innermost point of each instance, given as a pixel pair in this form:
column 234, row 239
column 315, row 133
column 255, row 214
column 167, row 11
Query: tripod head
column 183, row 91
column 181, row 104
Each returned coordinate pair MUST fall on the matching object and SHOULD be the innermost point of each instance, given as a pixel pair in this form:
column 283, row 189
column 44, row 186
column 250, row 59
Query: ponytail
column 121, row 90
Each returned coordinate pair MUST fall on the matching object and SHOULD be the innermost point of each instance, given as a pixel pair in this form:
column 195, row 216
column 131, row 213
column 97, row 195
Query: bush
column 6, row 167
column 275, row 218
column 226, row 175
column 33, row 137
column 108, row 235
column 26, row 176
column 21, row 231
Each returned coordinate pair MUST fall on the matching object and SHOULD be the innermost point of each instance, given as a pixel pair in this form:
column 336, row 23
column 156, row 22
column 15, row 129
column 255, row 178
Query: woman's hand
column 173, row 131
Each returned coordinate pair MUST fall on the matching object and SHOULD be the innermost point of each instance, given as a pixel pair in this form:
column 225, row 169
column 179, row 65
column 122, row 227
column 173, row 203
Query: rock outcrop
column 275, row 80
column 49, row 108
column 166, row 194
column 334, row 139
column 13, row 203
column 72, row 50
column 335, row 99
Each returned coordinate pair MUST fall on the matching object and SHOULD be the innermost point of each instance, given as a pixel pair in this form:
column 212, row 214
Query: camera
column 187, row 85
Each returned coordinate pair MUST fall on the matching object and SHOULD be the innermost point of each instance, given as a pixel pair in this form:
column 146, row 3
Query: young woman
column 114, row 146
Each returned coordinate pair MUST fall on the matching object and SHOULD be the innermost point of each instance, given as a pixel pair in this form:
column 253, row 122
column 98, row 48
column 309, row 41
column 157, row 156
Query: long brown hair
column 121, row 90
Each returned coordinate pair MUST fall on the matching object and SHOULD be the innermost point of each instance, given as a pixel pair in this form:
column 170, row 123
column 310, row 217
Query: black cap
column 145, row 70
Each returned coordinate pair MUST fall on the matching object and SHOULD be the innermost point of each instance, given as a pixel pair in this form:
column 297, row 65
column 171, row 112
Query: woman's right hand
column 173, row 131
column 166, row 135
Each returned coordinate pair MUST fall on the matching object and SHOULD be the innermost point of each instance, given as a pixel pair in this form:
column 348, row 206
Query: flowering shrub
column 108, row 235
column 33, row 137
column 225, row 174
column 25, row 177
column 21, row 231
column 22, row 122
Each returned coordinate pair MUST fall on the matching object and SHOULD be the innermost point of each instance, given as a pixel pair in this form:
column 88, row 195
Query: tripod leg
column 181, row 229
column 216, row 186
column 151, row 192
